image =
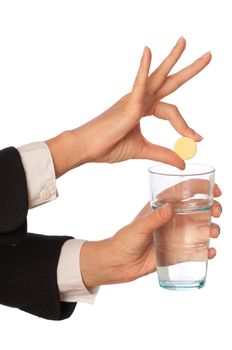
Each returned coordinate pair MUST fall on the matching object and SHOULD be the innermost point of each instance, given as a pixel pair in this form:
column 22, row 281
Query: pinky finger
column 212, row 253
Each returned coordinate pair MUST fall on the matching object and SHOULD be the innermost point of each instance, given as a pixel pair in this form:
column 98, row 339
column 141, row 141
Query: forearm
column 67, row 150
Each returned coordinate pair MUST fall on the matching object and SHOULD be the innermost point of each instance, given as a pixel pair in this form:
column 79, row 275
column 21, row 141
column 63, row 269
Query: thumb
column 149, row 222
column 161, row 154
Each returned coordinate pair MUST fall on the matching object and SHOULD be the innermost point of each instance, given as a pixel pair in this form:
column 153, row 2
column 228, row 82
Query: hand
column 194, row 245
column 115, row 135
column 130, row 253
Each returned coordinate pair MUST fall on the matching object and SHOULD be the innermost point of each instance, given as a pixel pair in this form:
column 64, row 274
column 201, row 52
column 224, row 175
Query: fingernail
column 144, row 50
column 182, row 165
column 165, row 210
column 206, row 54
column 218, row 210
column 179, row 41
column 219, row 190
column 198, row 135
column 218, row 229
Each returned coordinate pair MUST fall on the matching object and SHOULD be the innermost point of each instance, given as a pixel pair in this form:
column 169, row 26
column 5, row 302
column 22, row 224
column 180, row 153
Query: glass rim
column 152, row 169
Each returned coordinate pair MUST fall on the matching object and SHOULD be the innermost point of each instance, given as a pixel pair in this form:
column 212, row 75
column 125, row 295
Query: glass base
column 182, row 285
column 183, row 276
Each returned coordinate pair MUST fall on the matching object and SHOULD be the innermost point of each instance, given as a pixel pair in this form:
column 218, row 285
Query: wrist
column 67, row 152
column 95, row 263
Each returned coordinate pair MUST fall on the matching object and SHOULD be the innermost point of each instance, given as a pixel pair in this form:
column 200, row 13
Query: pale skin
column 131, row 253
column 115, row 136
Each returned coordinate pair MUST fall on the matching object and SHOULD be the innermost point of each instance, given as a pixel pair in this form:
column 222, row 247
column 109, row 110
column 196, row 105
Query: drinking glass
column 182, row 244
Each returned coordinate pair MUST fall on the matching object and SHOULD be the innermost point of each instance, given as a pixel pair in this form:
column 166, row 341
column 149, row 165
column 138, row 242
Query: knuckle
column 186, row 128
column 174, row 109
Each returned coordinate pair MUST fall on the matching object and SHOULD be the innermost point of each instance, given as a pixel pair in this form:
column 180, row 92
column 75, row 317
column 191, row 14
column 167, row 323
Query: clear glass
column 182, row 244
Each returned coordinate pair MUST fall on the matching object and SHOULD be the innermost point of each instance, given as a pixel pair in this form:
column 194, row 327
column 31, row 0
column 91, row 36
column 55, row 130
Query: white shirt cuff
column 40, row 173
column 69, row 279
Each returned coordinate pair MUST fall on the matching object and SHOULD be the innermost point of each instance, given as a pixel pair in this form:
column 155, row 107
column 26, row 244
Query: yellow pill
column 185, row 147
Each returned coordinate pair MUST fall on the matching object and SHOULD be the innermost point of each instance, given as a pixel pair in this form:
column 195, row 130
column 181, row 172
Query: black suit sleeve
column 13, row 197
column 28, row 276
column 28, row 262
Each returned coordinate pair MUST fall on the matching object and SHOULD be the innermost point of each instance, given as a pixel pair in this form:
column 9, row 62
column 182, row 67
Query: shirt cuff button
column 44, row 194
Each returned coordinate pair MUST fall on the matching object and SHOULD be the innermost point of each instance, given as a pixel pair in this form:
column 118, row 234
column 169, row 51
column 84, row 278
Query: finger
column 214, row 230
column 171, row 113
column 139, row 87
column 212, row 253
column 158, row 77
column 147, row 223
column 161, row 154
column 187, row 189
column 216, row 209
column 184, row 190
column 216, row 191
column 174, row 81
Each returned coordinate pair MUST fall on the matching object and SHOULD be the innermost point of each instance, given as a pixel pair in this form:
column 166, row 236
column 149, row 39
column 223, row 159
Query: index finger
column 147, row 208
column 187, row 189
column 171, row 113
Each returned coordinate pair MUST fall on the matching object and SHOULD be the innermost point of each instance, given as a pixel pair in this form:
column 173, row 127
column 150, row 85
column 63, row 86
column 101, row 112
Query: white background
column 63, row 63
